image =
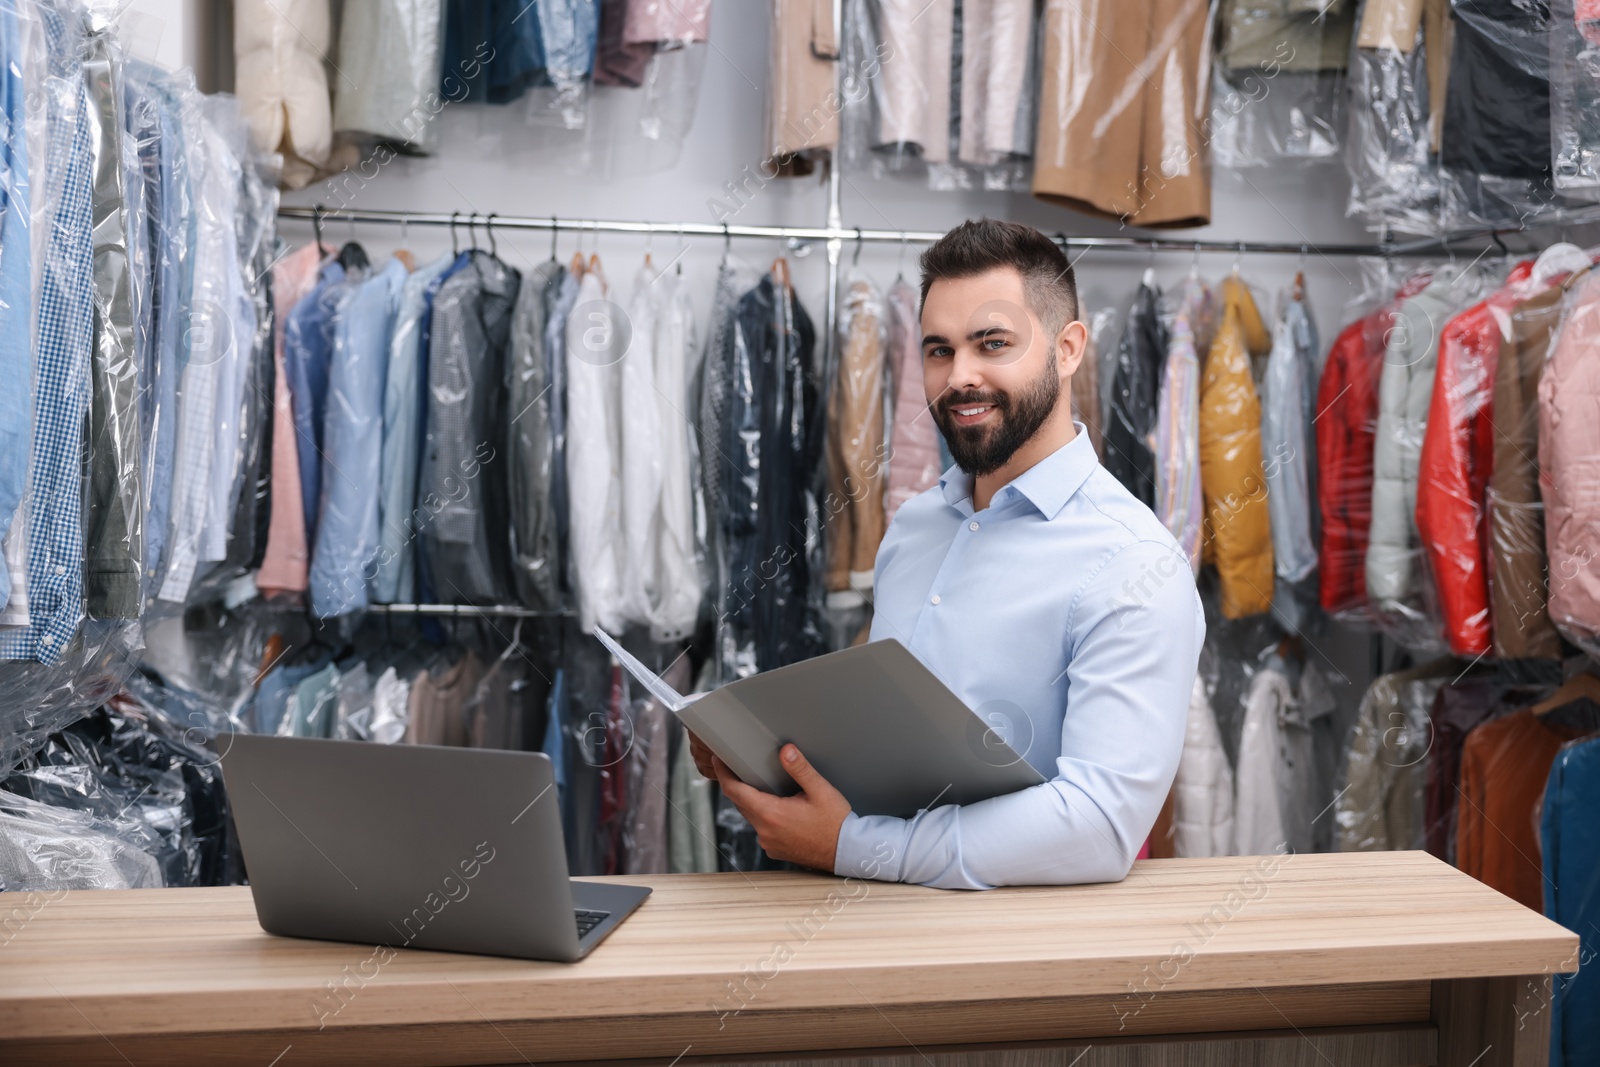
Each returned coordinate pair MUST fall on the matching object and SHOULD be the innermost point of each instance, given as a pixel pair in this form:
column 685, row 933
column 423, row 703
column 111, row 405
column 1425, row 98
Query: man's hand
column 802, row 829
column 703, row 759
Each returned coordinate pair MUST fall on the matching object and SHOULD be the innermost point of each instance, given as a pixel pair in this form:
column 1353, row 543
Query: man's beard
column 984, row 449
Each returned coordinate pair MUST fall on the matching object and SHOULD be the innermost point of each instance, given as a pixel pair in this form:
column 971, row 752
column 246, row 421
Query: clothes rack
column 464, row 610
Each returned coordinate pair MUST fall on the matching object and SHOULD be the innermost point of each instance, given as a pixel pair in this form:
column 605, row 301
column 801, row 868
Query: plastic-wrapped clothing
column 439, row 701
column 802, row 122
column 278, row 53
column 63, row 333
column 530, row 458
column 1131, row 419
column 16, row 287
column 691, row 830
column 1453, row 466
column 855, row 513
column 491, row 54
column 1569, row 465
column 1388, row 147
column 668, row 21
column 1497, row 108
column 113, row 549
column 1295, row 36
column 393, row 577
column 48, row 849
column 1085, row 396
column 1569, row 836
column 914, row 445
column 912, row 93
column 463, row 541
column 1202, row 814
column 1180, row 501
column 993, row 81
column 595, row 343
column 773, row 435
column 287, row 558
column 1518, row 580
column 1575, row 101
column 649, row 764
column 1405, row 390
column 389, row 65
column 1504, row 766
column 1123, row 99
column 617, row 60
column 346, row 549
column 1237, row 520
column 1380, row 808
column 307, row 348
column 677, row 590
column 639, row 431
column 1258, row 822
column 1286, row 441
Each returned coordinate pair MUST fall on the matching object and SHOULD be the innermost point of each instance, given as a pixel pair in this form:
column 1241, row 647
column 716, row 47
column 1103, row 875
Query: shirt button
column 972, row 526
column 935, row 599
column 61, row 570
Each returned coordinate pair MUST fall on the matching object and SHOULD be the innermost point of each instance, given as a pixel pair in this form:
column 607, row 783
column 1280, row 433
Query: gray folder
column 871, row 719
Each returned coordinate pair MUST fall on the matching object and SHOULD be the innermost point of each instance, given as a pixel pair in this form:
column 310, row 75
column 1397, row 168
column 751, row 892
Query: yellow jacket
column 1238, row 534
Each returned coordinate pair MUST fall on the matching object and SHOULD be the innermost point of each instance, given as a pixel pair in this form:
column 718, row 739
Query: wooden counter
column 1366, row 959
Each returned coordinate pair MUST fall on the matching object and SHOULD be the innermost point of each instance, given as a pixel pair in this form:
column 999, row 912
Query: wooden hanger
column 1299, row 290
column 578, row 265
column 780, row 271
column 1580, row 685
column 594, row 262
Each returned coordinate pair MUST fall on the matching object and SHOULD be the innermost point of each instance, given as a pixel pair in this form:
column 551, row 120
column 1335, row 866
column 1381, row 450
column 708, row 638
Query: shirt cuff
column 872, row 846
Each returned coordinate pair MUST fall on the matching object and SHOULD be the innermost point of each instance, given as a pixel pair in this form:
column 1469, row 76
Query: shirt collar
column 1047, row 485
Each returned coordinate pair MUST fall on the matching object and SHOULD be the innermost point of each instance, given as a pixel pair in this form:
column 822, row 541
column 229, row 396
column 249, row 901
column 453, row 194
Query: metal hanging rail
column 845, row 235
column 463, row 610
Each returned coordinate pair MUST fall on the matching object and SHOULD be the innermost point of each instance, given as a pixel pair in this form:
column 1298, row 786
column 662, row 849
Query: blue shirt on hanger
column 16, row 285
column 307, row 349
column 1066, row 616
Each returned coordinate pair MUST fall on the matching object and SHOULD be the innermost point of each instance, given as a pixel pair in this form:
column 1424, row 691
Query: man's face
column 989, row 371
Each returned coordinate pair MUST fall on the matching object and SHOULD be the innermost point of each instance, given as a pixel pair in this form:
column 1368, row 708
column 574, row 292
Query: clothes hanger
column 1557, row 261
column 855, row 260
column 472, row 233
column 488, row 228
column 352, row 256
column 404, row 253
column 1149, row 279
column 555, row 228
column 649, row 238
column 900, row 263
column 1580, row 685
column 683, row 247
column 594, row 257
column 579, row 265
column 316, row 227
column 727, row 243
column 455, row 247
column 1298, row 291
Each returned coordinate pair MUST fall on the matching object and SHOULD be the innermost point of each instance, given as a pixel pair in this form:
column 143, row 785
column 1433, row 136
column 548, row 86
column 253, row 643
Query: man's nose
column 966, row 371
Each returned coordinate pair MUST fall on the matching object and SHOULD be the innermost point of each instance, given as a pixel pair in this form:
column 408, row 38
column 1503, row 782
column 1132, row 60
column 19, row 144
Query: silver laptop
column 412, row 846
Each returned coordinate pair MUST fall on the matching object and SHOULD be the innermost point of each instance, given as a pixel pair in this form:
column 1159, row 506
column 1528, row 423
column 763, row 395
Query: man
column 1040, row 590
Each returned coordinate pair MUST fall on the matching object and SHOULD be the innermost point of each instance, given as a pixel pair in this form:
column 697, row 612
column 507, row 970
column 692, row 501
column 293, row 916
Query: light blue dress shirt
column 343, row 557
column 1066, row 616
column 16, row 292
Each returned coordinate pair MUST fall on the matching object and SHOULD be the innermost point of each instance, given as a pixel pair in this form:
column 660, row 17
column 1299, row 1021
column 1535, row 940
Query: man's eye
column 994, row 344
column 938, row 353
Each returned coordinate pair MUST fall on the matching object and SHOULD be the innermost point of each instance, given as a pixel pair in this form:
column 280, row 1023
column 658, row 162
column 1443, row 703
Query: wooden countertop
column 742, row 947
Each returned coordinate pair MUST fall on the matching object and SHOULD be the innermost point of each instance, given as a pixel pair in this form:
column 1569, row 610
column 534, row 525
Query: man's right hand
column 702, row 756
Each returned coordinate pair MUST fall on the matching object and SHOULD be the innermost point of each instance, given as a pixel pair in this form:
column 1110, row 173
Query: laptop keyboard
column 588, row 920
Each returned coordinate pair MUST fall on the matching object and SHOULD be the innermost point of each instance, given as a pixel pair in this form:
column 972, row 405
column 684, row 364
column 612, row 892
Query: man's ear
column 1071, row 343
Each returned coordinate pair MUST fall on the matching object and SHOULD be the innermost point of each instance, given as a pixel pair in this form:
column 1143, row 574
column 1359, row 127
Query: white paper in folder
column 873, row 721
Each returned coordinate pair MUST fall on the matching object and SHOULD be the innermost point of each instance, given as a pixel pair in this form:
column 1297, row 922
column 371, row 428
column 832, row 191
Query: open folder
column 871, row 719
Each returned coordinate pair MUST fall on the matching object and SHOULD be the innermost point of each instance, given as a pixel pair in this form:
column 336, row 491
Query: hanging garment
column 16, row 294
column 1131, row 419
column 1380, row 808
column 1453, row 475
column 315, row 703
column 996, row 39
column 464, row 544
column 675, row 605
column 1405, row 389
column 1394, row 176
column 1497, row 109
column 278, row 53
column 64, row 330
column 854, row 505
column 394, row 577
column 113, row 548
column 1569, row 466
column 251, row 516
column 692, row 833
column 1569, row 836
column 1202, row 814
column 346, row 549
column 1504, row 767
column 1179, row 500
column 286, row 563
column 530, row 460
column 560, row 298
column 389, row 66
column 1237, row 518
column 1518, row 579
column 639, row 459
column 912, row 92
column 1258, row 827
column 1347, row 403
column 307, row 348
column 1286, row 441
column 649, row 762
column 914, row 445
column 595, row 343
column 617, row 60
column 802, row 103
column 439, row 702
column 1123, row 100
column 668, row 21
column 1086, row 395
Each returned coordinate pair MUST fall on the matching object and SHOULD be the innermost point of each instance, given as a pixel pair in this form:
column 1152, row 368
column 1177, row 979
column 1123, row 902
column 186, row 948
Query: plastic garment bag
column 802, row 122
column 854, row 502
column 1134, row 392
column 1202, row 813
column 45, row 848
column 1575, row 99
column 1396, row 68
column 389, row 66
column 1286, row 441
column 914, row 436
column 677, row 590
column 1179, row 502
column 1380, row 808
column 1569, row 466
column 17, row 168
column 597, row 337
column 279, row 51
column 640, row 431
column 535, row 539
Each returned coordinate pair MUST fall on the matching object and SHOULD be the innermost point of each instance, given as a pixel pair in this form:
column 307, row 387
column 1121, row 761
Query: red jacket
column 1346, row 421
column 1453, row 469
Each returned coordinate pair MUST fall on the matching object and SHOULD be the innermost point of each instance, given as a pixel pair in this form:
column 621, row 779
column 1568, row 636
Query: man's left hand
column 802, row 829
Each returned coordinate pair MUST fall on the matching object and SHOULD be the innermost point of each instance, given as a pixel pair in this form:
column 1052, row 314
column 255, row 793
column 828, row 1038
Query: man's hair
column 981, row 245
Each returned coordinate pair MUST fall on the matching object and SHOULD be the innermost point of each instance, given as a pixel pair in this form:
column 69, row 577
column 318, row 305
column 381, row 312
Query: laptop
column 413, row 846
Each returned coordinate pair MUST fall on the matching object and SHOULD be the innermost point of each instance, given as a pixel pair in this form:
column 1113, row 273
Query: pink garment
column 914, row 442
column 1569, row 466
column 677, row 21
column 283, row 568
